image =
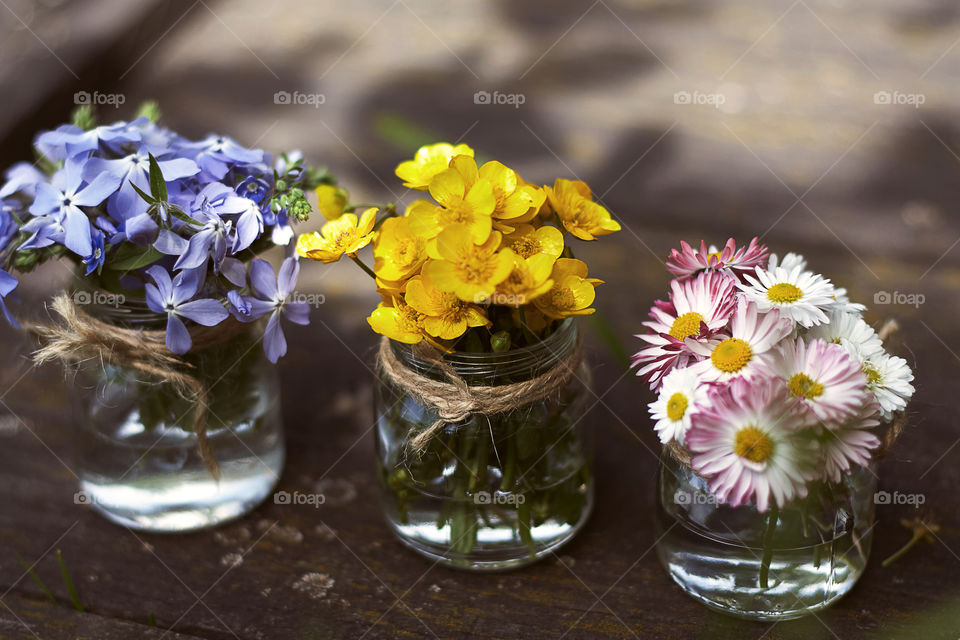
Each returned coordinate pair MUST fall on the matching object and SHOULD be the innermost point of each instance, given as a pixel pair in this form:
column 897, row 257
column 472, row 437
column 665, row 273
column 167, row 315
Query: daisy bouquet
column 483, row 272
column 164, row 233
column 771, row 386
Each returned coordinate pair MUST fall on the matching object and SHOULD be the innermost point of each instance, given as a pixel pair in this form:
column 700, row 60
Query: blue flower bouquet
column 170, row 303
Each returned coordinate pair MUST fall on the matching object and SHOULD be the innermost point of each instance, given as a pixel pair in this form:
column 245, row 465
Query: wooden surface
column 799, row 153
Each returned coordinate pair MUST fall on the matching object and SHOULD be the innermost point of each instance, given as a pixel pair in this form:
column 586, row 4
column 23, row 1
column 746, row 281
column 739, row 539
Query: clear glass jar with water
column 493, row 491
column 776, row 565
column 136, row 453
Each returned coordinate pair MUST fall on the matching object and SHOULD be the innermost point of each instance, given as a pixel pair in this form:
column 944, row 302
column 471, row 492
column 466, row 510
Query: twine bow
column 80, row 337
column 455, row 400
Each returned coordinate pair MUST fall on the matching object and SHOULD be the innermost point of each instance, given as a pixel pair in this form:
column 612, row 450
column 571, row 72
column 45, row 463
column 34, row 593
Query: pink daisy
column 849, row 444
column 688, row 260
column 751, row 444
column 824, row 378
column 698, row 308
column 741, row 351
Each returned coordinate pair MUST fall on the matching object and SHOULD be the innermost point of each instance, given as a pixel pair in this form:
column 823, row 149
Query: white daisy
column 698, row 308
column 681, row 396
column 889, row 378
column 789, row 261
column 742, row 350
column 850, row 444
column 841, row 302
column 752, row 446
column 850, row 331
column 824, row 378
column 802, row 296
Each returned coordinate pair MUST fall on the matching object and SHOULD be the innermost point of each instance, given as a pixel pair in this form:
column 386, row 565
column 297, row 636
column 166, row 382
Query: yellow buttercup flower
column 428, row 162
column 464, row 199
column 517, row 201
column 341, row 236
column 529, row 279
column 580, row 215
column 572, row 292
column 399, row 322
column 398, row 253
column 471, row 271
column 445, row 316
column 331, row 200
column 527, row 241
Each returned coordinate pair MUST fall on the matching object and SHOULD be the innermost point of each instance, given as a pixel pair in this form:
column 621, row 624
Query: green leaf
column 150, row 199
column 158, row 187
column 129, row 257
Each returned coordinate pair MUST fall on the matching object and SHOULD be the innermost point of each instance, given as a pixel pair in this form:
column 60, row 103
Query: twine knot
column 455, row 401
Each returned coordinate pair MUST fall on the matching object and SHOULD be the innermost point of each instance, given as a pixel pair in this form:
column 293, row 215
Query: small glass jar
column 136, row 455
column 776, row 565
column 493, row 491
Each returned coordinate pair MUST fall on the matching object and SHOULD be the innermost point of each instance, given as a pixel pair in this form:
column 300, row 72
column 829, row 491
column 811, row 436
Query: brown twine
column 455, row 400
column 81, row 337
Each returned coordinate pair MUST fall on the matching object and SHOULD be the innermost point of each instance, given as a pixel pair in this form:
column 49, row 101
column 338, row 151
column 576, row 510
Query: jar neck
column 498, row 368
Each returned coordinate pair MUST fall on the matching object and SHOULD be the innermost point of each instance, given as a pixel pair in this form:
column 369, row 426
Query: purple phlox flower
column 215, row 234
column 249, row 226
column 68, row 141
column 173, row 297
column 272, row 296
column 8, row 222
column 61, row 202
column 134, row 170
column 216, row 154
column 22, row 178
column 7, row 284
column 256, row 189
column 95, row 260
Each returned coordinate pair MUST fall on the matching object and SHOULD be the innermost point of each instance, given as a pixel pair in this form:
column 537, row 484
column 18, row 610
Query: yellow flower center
column 686, row 325
column 526, row 246
column 801, row 384
column 474, row 268
column 753, row 444
column 873, row 376
column 676, row 406
column 561, row 298
column 784, row 293
column 715, row 254
column 731, row 355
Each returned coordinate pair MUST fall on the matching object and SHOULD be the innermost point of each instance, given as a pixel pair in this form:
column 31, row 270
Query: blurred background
column 826, row 127
column 808, row 123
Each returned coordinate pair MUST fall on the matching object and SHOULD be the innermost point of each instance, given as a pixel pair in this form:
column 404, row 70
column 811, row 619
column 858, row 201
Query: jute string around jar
column 455, row 400
column 80, row 337
column 895, row 428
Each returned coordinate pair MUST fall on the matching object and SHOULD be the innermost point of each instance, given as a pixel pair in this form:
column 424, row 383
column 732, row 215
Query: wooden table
column 807, row 160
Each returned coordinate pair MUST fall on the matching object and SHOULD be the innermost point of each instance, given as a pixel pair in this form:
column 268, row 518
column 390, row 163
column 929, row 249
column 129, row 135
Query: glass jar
column 136, row 453
column 492, row 491
column 776, row 565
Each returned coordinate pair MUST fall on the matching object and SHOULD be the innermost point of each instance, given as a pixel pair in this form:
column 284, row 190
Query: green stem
column 360, row 264
column 772, row 518
column 917, row 536
column 74, row 597
column 36, row 579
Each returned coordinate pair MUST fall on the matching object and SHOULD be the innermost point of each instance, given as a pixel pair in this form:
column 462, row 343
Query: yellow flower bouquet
column 484, row 458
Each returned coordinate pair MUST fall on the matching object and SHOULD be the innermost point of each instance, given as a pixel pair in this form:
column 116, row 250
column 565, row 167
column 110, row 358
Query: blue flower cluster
column 189, row 249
